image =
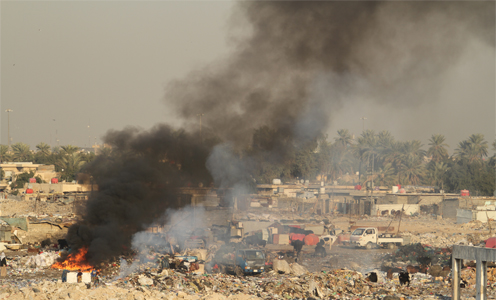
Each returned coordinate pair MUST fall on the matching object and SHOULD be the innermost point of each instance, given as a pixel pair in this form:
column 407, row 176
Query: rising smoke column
column 302, row 60
column 299, row 63
column 137, row 184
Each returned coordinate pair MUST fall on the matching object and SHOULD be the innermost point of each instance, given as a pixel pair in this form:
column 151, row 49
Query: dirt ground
column 417, row 225
column 31, row 208
column 338, row 257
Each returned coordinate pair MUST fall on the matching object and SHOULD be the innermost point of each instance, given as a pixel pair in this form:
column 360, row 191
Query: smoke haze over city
column 80, row 69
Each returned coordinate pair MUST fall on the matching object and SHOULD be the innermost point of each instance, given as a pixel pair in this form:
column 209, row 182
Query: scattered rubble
column 342, row 274
column 338, row 284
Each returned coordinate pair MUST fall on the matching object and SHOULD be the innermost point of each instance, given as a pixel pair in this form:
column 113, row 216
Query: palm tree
column 413, row 149
column 340, row 162
column 366, row 149
column 344, row 138
column 480, row 144
column 323, row 156
column 412, row 170
column 494, row 149
column 394, row 154
column 466, row 151
column 43, row 149
column 437, row 172
column 473, row 149
column 367, row 145
column 4, row 153
column 385, row 144
column 87, row 157
column 385, row 139
column 69, row 149
column 437, row 150
column 70, row 165
column 43, row 154
column 385, row 176
column 21, row 152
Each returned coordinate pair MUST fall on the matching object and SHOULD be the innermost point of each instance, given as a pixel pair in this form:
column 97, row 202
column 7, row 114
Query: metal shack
column 5, row 234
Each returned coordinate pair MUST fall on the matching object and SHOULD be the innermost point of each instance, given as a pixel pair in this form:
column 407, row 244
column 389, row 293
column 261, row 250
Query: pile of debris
column 444, row 240
column 416, row 254
column 286, row 280
column 28, row 206
column 338, row 284
column 27, row 263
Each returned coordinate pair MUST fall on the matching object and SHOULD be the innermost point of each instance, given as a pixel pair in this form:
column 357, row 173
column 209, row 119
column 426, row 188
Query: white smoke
column 179, row 226
column 229, row 170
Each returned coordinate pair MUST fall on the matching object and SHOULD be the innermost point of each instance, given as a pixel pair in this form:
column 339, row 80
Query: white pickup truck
column 369, row 237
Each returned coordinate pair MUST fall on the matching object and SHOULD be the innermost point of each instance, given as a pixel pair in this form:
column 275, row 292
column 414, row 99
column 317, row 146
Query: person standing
column 64, row 275
column 80, row 276
column 93, row 275
column 3, row 265
column 164, row 262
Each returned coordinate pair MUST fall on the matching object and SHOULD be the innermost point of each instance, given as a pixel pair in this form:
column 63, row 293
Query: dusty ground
column 415, row 225
column 31, row 208
column 338, row 257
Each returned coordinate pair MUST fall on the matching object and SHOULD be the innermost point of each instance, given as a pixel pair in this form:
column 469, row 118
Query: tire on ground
column 368, row 246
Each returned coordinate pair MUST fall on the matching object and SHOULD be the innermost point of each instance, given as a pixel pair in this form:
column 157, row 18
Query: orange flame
column 74, row 262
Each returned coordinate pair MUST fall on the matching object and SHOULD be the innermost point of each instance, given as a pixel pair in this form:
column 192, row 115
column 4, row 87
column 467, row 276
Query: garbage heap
column 289, row 281
column 444, row 240
column 417, row 254
column 338, row 284
column 21, row 265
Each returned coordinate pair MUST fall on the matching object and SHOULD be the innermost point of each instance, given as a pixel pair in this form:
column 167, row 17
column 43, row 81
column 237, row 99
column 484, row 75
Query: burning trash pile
column 74, row 262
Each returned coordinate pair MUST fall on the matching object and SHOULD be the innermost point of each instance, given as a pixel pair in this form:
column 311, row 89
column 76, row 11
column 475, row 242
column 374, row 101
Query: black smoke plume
column 297, row 62
column 137, row 183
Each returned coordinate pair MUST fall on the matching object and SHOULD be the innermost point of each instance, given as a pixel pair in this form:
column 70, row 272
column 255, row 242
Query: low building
column 60, row 188
column 13, row 169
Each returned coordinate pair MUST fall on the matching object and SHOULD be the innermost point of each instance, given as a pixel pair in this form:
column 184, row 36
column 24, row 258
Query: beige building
column 12, row 169
column 59, row 188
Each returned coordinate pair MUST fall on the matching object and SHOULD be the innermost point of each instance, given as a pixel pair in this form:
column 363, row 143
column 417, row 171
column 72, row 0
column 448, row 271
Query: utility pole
column 56, row 140
column 8, row 111
column 89, row 133
column 201, row 137
column 363, row 123
column 372, row 191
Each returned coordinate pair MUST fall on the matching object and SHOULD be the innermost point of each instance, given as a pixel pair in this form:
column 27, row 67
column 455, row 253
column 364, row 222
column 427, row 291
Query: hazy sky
column 103, row 64
column 69, row 65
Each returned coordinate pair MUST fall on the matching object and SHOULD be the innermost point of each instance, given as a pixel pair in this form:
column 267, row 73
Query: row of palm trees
column 67, row 159
column 385, row 161
column 378, row 157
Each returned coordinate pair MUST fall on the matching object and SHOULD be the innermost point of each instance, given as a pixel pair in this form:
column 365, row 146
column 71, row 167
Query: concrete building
column 12, row 169
column 60, row 188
